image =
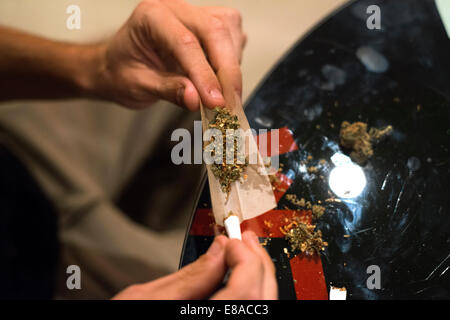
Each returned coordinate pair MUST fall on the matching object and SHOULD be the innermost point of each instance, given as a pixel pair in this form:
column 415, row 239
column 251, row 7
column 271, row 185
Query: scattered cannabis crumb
column 292, row 198
column 225, row 172
column 313, row 169
column 356, row 137
column 275, row 181
column 268, row 223
column 286, row 252
column 265, row 242
column 302, row 203
column 303, row 237
column 267, row 162
column 317, row 211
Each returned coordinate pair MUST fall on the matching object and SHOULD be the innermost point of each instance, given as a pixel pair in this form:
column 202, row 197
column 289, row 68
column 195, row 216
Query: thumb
column 200, row 279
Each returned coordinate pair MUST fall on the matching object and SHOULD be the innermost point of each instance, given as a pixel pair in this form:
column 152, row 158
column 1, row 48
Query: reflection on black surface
column 347, row 179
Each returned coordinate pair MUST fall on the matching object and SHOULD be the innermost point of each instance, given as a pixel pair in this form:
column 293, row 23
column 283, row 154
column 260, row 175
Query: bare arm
column 35, row 67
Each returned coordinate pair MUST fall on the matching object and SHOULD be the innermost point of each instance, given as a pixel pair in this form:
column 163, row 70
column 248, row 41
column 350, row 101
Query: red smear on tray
column 286, row 142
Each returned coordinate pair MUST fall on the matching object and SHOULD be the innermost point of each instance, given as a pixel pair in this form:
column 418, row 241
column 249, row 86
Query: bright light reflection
column 347, row 180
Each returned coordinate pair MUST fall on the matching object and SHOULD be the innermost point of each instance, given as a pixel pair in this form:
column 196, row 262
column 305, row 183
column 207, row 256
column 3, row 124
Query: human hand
column 252, row 276
column 171, row 50
column 253, row 272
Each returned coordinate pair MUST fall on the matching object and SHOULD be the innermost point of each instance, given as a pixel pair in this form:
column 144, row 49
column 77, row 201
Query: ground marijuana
column 228, row 171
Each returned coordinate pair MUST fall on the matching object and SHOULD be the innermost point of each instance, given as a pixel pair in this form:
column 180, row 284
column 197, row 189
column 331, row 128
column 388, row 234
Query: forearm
column 32, row 67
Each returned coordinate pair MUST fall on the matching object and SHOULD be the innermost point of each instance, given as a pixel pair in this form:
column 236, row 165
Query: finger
column 199, row 279
column 270, row 286
column 247, row 274
column 174, row 38
column 215, row 36
column 195, row 281
column 233, row 20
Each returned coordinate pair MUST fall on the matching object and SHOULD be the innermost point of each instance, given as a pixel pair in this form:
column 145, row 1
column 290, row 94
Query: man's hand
column 252, row 276
column 169, row 49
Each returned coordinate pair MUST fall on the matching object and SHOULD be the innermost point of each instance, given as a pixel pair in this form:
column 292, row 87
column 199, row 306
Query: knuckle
column 217, row 25
column 187, row 39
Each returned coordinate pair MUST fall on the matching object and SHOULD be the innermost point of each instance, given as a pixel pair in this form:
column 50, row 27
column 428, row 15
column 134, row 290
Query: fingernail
column 216, row 94
column 215, row 248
